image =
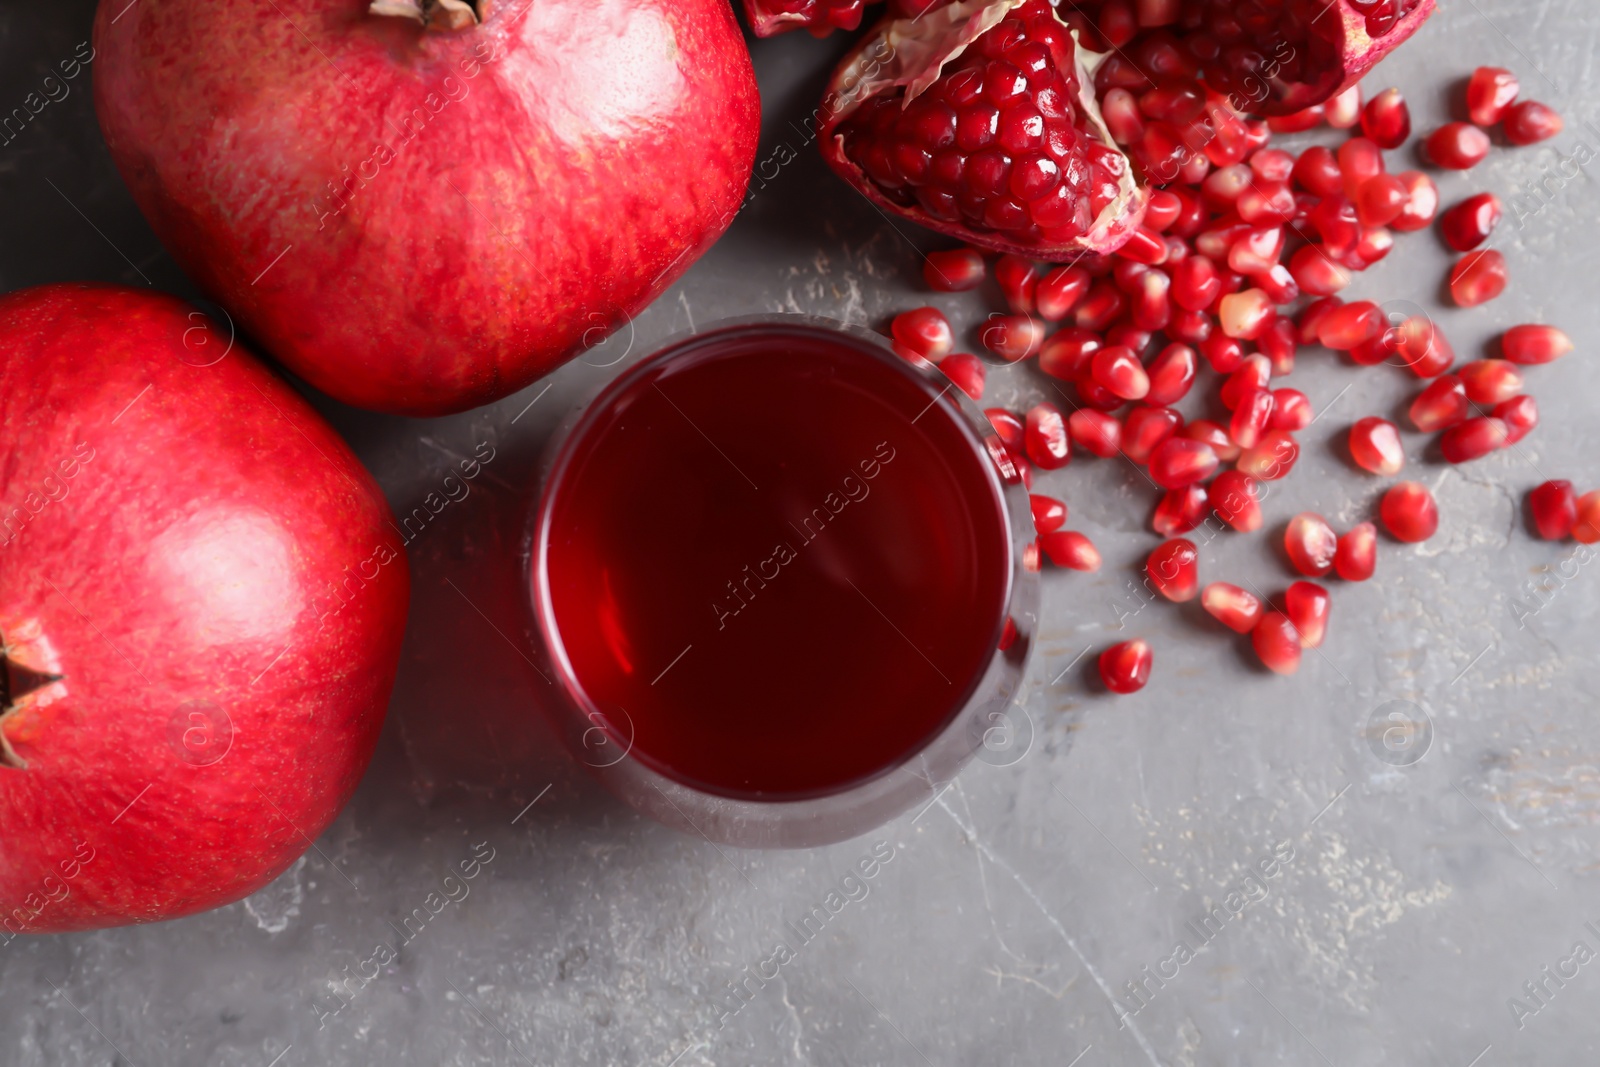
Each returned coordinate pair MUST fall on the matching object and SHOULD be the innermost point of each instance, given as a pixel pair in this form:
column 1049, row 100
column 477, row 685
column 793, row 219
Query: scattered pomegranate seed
column 1243, row 315
column 1530, row 344
column 1490, row 94
column 1520, row 414
column 1095, row 431
column 1174, row 569
column 1007, row 427
column 1343, row 111
column 1180, row 462
column 1531, row 122
column 1409, row 512
column 967, row 371
column 1237, row 502
column 1179, row 510
column 1386, row 120
column 1046, row 438
column 1375, row 446
column 1222, row 353
column 1066, row 355
column 924, row 332
column 1478, row 278
column 1473, row 439
column 1457, row 146
column 1059, row 291
column 1214, row 435
column 1279, row 342
column 953, row 271
column 1360, row 160
column 1048, row 513
column 1254, row 372
column 1469, row 223
column 1272, row 458
column 1145, row 428
column 1012, row 337
column 1022, row 470
column 1119, row 371
column 1235, row 608
column 1424, row 348
column 1316, row 272
column 1195, row 284
column 1357, row 555
column 1250, row 418
column 1587, row 529
column 1291, row 410
column 1276, row 643
column 1311, row 544
column 1099, row 307
column 1306, row 604
column 1070, row 549
column 1172, row 373
column 1125, row 668
column 1489, row 381
column 1008, row 634
column 1422, row 202
column 1317, row 172
column 1441, row 405
column 1300, row 120
column 1381, row 200
column 1348, row 326
column 1030, row 557
column 1018, row 279
column 1163, row 210
column 1144, row 246
column 1554, row 507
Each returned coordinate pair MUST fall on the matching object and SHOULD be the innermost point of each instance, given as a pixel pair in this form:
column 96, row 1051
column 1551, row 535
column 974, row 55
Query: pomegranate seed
column 1163, row 209
column 1422, row 202
column 1095, row 431
column 1409, row 512
column 1191, row 327
column 954, row 271
column 1554, row 508
column 1243, row 315
column 1375, row 446
column 1099, row 307
column 1587, row 529
column 1272, row 458
column 1316, row 273
column 1279, row 342
column 1174, row 569
column 1309, row 322
column 1222, row 187
column 1317, row 172
column 1008, row 635
column 1489, row 381
column 1233, row 607
column 1179, row 510
column 1375, row 243
column 1144, row 246
column 1030, row 557
column 1125, row 668
column 1222, row 353
column 1253, row 373
column 1195, row 285
column 1048, row 513
column 1151, row 309
column 1336, row 220
column 1145, row 429
column 1018, row 279
column 1490, row 94
column 1256, row 249
column 1306, row 604
column 1070, row 549
column 1300, row 120
column 1291, row 410
column 1343, row 111
column 1360, row 160
column 1046, row 438
column 1022, row 469
column 1180, row 462
column 1469, row 223
column 1214, row 435
column 1066, row 355
column 1520, row 414
column 1357, row 555
column 1386, row 120
column 1478, row 278
column 1457, row 146
column 1117, row 370
column 1250, row 418
column 1007, row 427
column 1096, row 397
column 1012, row 337
column 1130, row 337
column 1380, row 201
column 1531, row 344
column 1117, row 23
column 1441, row 405
column 1375, row 350
column 924, row 332
column 1120, row 109
column 1237, row 503
column 1171, row 374
column 967, row 371
column 1266, row 203
column 1348, row 326
column 1311, row 544
column 1277, row 643
column 1424, row 348
column 1059, row 291
column 1531, row 122
column 1272, row 165
column 1473, row 439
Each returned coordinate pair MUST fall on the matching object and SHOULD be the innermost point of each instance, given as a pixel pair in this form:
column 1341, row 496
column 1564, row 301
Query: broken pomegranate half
column 978, row 119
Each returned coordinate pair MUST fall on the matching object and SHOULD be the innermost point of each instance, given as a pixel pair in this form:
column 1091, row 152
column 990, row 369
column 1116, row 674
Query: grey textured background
column 1419, row 898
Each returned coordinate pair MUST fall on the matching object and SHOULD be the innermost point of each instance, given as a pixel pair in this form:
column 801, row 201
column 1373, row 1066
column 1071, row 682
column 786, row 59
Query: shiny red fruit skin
column 510, row 193
column 1409, row 512
column 209, row 548
column 1554, row 507
column 1125, row 668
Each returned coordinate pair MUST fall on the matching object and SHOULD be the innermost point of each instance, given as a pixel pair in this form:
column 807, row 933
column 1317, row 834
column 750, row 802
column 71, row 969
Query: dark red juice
column 775, row 562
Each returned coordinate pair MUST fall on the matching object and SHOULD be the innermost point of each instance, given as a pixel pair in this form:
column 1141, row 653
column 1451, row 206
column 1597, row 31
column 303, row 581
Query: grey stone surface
column 1419, row 896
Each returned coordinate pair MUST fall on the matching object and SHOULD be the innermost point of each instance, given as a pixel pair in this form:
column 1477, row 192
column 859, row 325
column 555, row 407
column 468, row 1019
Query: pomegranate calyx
column 23, row 688
column 434, row 14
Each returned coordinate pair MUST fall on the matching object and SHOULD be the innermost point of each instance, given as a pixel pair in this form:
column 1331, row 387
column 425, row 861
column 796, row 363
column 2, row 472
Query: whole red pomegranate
column 424, row 206
column 202, row 599
column 979, row 120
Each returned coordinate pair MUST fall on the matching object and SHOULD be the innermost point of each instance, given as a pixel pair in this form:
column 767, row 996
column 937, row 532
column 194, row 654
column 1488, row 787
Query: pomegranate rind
column 910, row 54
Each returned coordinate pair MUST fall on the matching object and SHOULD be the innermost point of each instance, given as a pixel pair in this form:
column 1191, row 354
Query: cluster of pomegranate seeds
column 1237, row 267
column 821, row 17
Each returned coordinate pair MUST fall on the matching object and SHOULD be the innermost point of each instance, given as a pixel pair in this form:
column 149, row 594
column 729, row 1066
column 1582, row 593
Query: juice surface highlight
column 776, row 566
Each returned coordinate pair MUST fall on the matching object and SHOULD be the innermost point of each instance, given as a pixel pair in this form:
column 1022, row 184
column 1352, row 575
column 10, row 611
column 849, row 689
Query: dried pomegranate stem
column 434, row 14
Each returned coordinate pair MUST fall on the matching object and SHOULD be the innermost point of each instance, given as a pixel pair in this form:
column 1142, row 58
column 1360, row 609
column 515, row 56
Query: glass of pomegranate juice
column 773, row 566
